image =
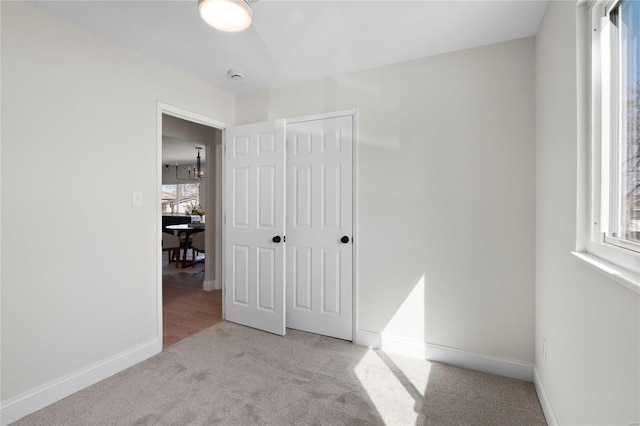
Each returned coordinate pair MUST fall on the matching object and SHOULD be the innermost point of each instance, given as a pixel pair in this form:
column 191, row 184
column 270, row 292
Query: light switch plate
column 136, row 199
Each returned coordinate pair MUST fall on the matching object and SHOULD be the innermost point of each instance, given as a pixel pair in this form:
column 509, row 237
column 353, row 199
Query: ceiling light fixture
column 198, row 171
column 226, row 15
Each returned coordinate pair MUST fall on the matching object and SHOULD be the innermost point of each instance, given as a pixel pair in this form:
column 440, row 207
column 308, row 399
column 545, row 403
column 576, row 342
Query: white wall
column 446, row 193
column 79, row 265
column 591, row 323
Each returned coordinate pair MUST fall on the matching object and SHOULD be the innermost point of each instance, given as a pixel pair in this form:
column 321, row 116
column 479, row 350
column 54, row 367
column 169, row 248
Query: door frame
column 353, row 113
column 194, row 117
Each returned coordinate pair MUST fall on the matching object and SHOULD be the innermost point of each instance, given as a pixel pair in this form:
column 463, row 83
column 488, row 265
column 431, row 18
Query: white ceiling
column 296, row 41
column 180, row 139
column 180, row 152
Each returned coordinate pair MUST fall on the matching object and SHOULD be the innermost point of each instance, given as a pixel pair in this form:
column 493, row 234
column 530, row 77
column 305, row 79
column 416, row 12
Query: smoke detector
column 235, row 75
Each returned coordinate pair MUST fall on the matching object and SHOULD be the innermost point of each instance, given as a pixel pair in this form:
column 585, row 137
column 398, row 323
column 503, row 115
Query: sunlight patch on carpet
column 399, row 401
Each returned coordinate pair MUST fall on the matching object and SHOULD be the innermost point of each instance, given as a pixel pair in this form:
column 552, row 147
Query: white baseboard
column 506, row 367
column 545, row 402
column 209, row 285
column 27, row 403
column 472, row 360
column 367, row 338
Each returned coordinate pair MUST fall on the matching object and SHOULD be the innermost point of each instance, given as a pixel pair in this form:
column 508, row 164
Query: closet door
column 254, row 287
column 319, row 248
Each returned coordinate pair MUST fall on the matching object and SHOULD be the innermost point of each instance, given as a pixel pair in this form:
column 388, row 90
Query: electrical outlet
column 544, row 348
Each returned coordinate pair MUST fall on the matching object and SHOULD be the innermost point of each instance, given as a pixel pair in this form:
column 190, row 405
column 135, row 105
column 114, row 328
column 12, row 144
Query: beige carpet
column 229, row 374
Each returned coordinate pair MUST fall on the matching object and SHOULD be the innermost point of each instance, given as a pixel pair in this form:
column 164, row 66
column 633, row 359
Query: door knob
column 276, row 239
column 344, row 239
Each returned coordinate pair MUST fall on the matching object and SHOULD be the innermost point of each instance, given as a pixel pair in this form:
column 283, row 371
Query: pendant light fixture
column 226, row 15
column 198, row 172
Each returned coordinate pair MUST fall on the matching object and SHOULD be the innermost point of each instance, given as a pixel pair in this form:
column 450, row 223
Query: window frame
column 177, row 197
column 602, row 102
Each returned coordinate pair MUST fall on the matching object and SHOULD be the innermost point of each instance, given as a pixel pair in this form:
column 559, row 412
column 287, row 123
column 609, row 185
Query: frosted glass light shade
column 226, row 15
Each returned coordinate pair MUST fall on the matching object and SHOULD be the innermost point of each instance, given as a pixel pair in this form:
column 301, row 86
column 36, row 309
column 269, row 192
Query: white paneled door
column 319, row 247
column 254, row 226
column 318, row 252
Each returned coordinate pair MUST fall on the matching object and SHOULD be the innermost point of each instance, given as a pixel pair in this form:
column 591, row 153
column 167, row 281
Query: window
column 180, row 197
column 624, row 145
column 615, row 133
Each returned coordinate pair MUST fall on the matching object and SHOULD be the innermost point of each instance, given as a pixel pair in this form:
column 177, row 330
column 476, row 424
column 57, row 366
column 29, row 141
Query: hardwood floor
column 187, row 308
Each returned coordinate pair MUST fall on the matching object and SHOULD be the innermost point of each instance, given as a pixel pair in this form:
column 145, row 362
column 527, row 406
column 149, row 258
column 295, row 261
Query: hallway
column 187, row 309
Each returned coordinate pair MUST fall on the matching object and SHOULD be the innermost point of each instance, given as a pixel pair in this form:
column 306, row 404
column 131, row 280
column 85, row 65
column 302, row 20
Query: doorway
column 190, row 296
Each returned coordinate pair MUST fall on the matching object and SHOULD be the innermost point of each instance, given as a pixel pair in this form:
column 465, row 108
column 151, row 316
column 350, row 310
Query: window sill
column 626, row 278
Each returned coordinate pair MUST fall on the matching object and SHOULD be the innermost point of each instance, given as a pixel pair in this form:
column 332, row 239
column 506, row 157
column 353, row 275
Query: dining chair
column 171, row 243
column 197, row 245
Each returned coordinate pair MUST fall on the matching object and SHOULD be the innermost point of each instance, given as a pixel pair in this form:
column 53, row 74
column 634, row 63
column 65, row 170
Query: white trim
column 223, row 220
column 594, row 134
column 543, row 397
column 158, row 204
column 208, row 285
column 367, row 339
column 322, row 116
column 625, row 244
column 506, row 367
column 407, row 347
column 218, row 216
column 354, row 229
column 628, row 279
column 29, row 402
column 499, row 366
column 191, row 116
column 583, row 93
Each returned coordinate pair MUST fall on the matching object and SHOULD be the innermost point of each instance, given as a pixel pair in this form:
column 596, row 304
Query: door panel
column 331, row 208
column 319, row 212
column 254, row 199
column 241, row 275
column 302, row 191
column 331, row 284
column 266, row 279
column 241, row 197
column 267, row 191
column 301, row 285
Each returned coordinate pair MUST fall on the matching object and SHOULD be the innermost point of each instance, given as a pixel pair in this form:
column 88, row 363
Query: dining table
column 187, row 229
